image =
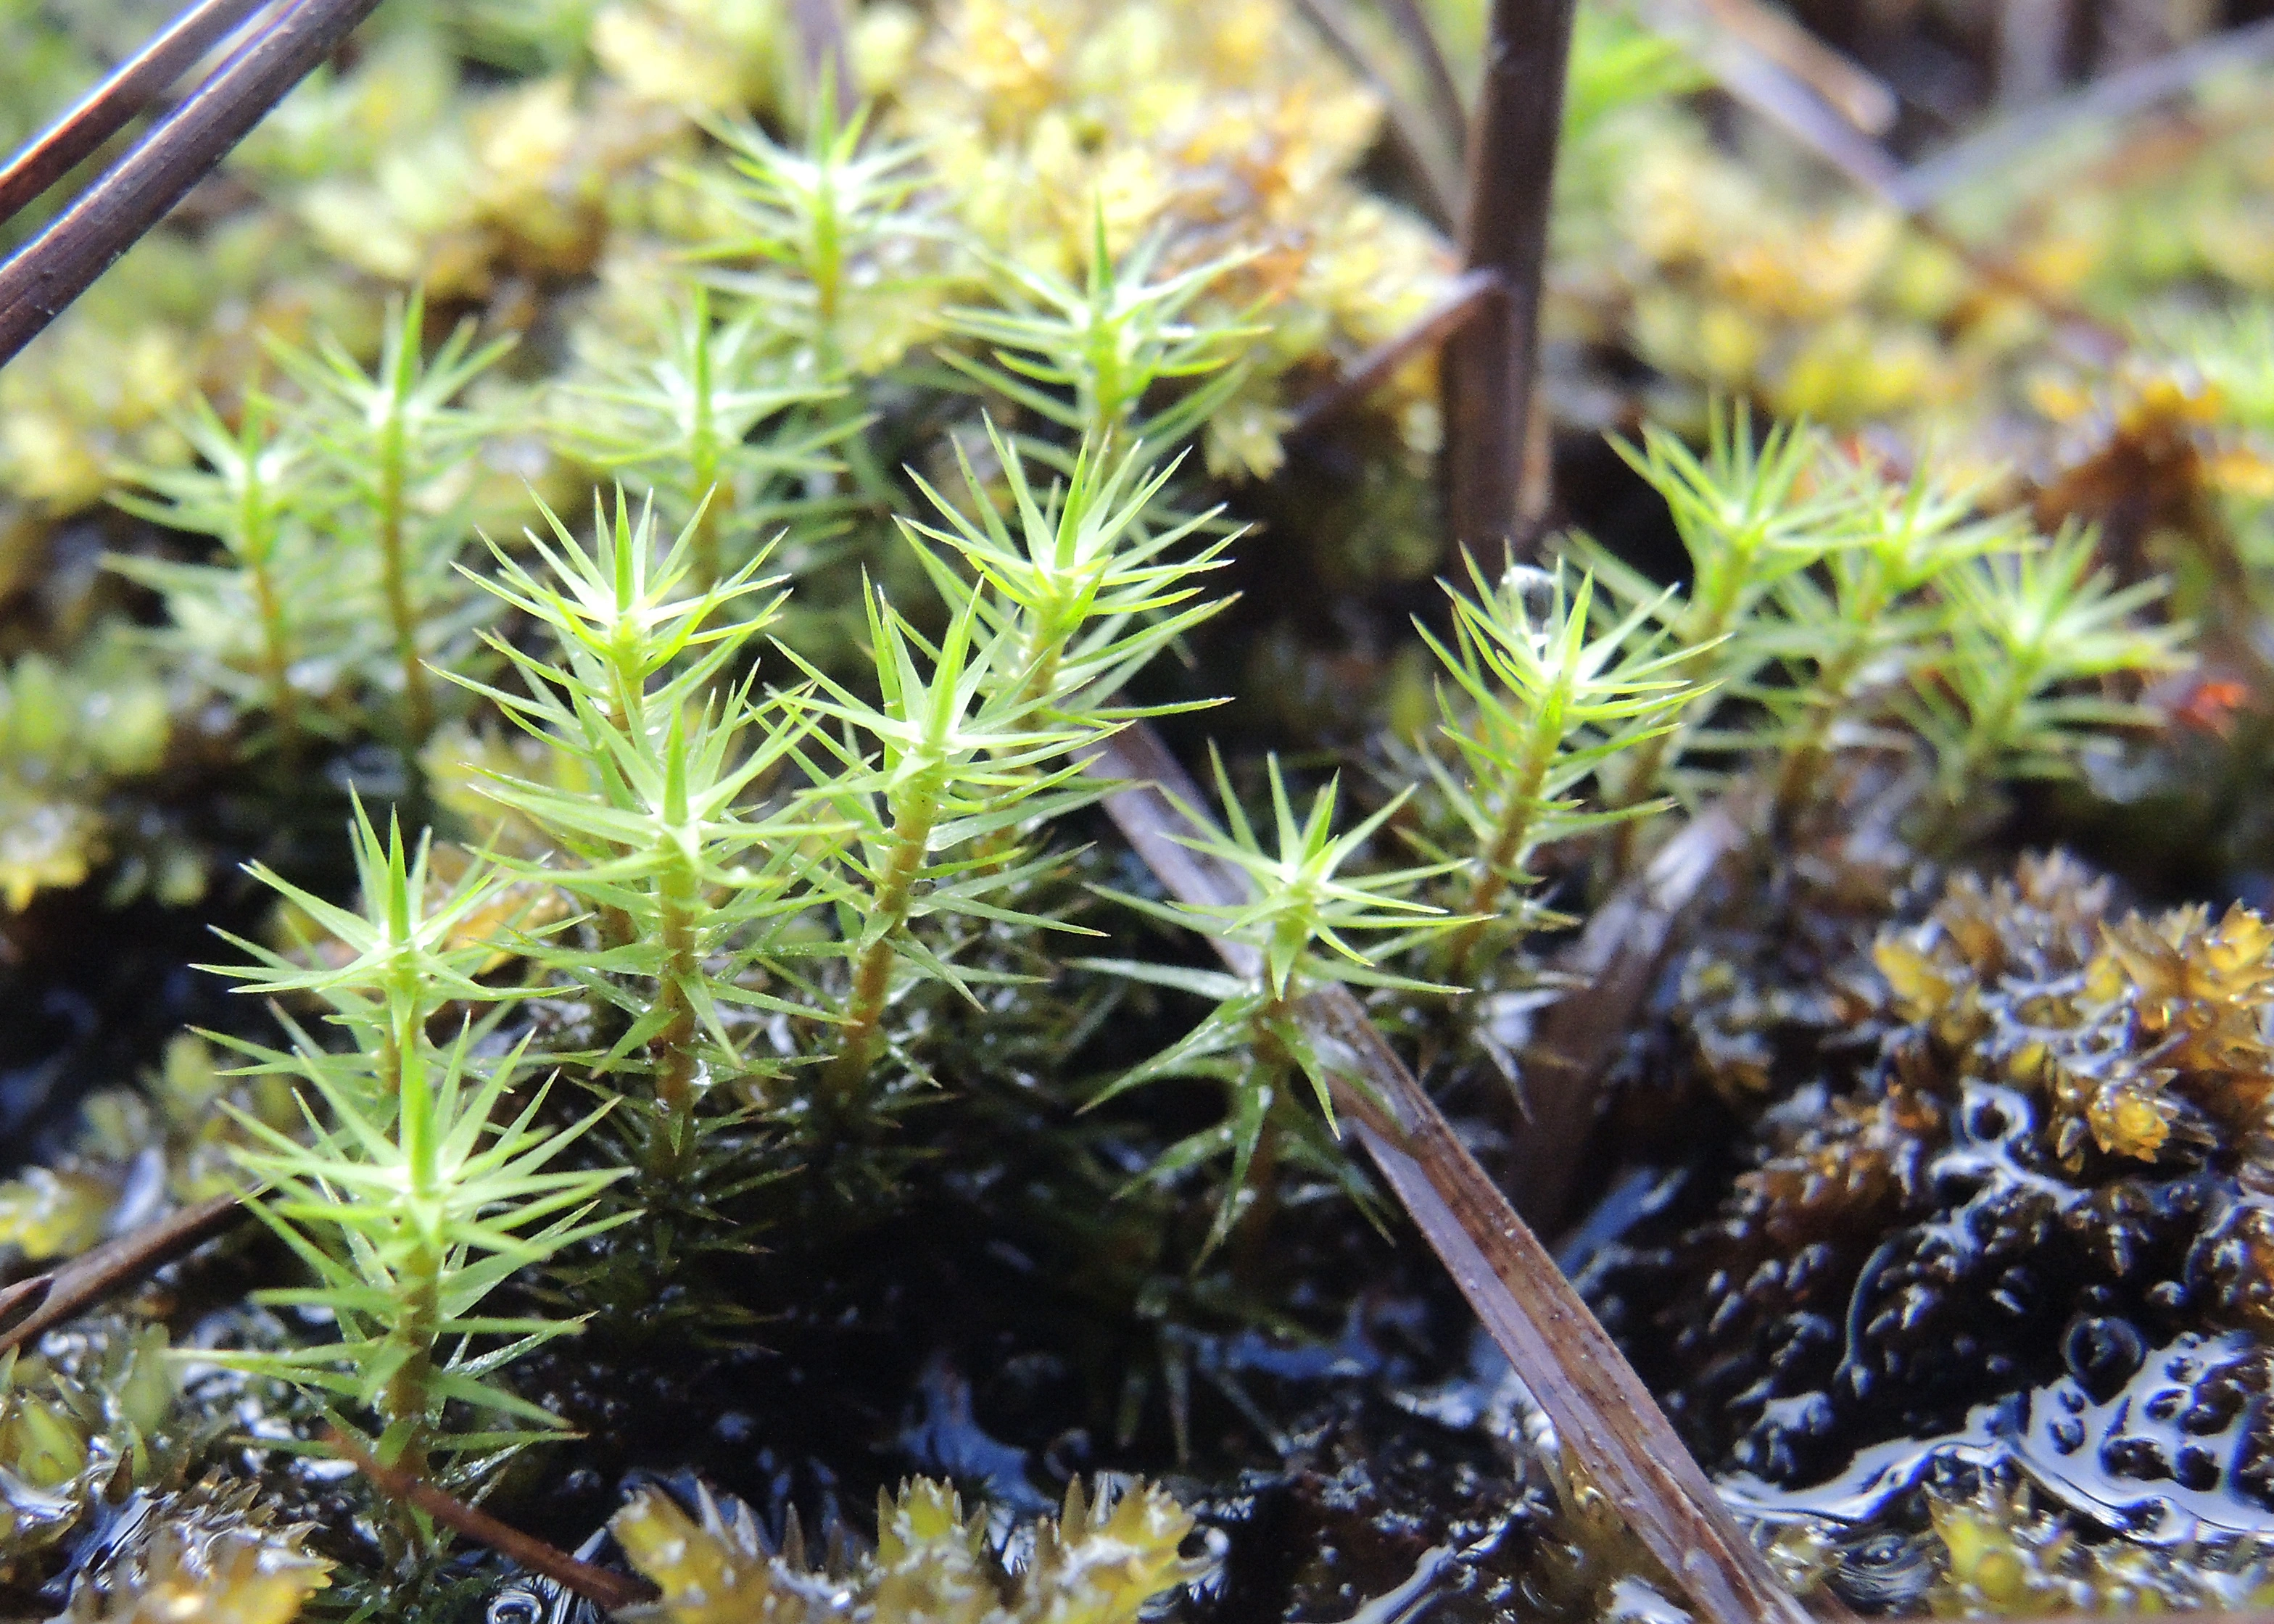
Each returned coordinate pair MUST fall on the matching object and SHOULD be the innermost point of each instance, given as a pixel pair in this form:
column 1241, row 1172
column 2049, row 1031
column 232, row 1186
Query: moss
column 745, row 987
column 214, row 1556
column 92, row 1419
column 1108, row 1556
column 173, row 1140
column 2022, row 1207
column 68, row 733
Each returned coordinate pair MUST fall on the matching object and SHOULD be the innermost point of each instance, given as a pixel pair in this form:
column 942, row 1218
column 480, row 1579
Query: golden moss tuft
column 196, row 1561
column 1104, row 1561
column 2004, row 1554
column 1214, row 128
column 2129, row 1029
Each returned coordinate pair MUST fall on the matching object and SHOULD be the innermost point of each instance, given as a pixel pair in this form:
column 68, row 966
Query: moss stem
column 1708, row 623
column 277, row 663
column 417, row 695
column 1511, row 843
column 1800, row 768
column 888, row 916
column 672, row 1046
column 704, row 456
column 258, row 529
column 407, row 1402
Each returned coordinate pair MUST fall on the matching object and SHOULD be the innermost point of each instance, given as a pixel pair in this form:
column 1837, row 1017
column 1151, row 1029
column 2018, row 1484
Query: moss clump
column 92, row 1419
column 69, row 733
column 710, row 1084
column 2002, row 1551
column 2013, row 1211
column 173, row 1140
column 217, row 1557
column 1107, row 1557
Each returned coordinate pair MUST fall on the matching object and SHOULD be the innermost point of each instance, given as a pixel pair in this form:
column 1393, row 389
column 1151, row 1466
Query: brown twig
column 1827, row 112
column 1794, row 106
column 1469, row 294
column 30, row 1308
column 2000, row 145
column 1488, row 373
column 1410, row 133
column 1790, row 104
column 1861, row 100
column 106, row 109
column 610, row 1591
column 1600, row 1408
column 1420, row 38
column 2032, row 44
column 1612, row 966
column 43, row 276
